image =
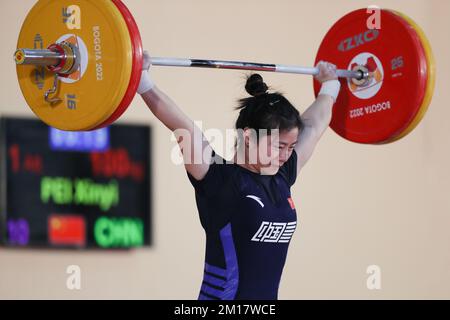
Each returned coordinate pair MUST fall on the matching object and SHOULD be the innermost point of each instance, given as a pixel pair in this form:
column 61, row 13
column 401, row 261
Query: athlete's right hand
column 147, row 61
column 146, row 83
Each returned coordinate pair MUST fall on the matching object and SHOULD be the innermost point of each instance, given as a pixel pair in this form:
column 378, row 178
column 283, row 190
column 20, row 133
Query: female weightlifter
column 245, row 204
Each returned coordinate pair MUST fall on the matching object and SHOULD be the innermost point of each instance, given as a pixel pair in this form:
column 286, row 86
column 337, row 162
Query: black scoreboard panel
column 74, row 189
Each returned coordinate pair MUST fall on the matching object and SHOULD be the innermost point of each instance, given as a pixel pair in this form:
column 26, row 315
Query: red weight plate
column 137, row 64
column 431, row 77
column 394, row 54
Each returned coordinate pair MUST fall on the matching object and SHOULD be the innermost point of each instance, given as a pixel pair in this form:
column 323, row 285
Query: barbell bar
column 251, row 66
column 50, row 58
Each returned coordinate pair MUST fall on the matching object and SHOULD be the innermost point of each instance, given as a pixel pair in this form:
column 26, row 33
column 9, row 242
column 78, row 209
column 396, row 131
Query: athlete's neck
column 245, row 164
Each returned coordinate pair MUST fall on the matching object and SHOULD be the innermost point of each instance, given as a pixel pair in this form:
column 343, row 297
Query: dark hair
column 265, row 110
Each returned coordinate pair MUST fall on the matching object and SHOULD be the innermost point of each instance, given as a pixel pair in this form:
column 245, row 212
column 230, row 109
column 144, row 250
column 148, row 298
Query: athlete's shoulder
column 221, row 173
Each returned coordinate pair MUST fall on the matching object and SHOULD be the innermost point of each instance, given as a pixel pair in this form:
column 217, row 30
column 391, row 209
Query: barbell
column 79, row 67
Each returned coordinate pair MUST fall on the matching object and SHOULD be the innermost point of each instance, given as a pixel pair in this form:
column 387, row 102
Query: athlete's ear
column 247, row 133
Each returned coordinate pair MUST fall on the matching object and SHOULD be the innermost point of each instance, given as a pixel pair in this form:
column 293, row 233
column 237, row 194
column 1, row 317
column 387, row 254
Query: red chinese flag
column 67, row 230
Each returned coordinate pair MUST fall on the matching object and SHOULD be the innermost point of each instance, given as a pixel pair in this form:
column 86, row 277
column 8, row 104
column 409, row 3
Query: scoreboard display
column 77, row 190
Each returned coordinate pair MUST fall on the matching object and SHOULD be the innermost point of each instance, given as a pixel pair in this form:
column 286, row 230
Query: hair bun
column 255, row 85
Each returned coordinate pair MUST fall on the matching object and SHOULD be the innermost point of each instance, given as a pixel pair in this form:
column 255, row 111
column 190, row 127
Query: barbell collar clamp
column 60, row 58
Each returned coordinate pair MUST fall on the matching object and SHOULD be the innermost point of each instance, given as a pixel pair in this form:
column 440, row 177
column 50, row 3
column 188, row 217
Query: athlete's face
column 275, row 150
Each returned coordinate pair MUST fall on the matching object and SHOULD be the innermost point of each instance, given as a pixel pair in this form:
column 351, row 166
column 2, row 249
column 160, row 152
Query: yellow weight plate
column 431, row 71
column 92, row 94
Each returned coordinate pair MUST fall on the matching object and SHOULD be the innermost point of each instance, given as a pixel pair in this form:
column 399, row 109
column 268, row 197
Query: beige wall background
column 357, row 205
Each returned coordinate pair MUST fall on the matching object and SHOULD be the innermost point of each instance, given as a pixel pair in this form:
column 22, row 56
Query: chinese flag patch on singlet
column 291, row 202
